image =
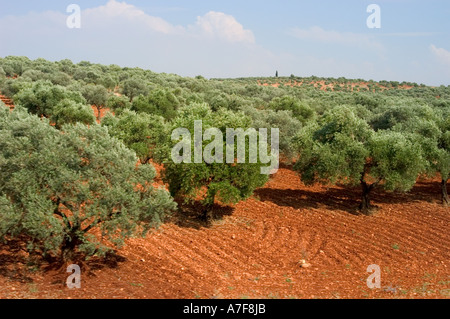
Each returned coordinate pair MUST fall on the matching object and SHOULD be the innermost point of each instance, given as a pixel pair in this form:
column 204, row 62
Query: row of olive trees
column 148, row 88
column 341, row 147
column 367, row 139
column 254, row 100
column 338, row 147
column 62, row 188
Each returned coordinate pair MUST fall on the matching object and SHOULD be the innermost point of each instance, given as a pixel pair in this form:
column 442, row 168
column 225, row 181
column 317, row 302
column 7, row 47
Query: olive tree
column 430, row 129
column 97, row 96
column 287, row 124
column 10, row 87
column 133, row 87
column 2, row 73
column 76, row 191
column 42, row 98
column 143, row 133
column 213, row 179
column 342, row 148
column 71, row 112
column 60, row 78
column 161, row 102
column 118, row 104
column 300, row 110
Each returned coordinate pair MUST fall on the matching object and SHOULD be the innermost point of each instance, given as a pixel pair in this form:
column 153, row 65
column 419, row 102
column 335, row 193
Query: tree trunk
column 365, row 206
column 71, row 242
column 208, row 205
column 207, row 213
column 68, row 250
column 445, row 200
column 99, row 109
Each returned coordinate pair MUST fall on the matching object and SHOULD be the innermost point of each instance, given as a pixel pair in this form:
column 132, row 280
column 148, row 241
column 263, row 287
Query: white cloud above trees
column 442, row 54
column 212, row 25
column 215, row 44
column 223, row 26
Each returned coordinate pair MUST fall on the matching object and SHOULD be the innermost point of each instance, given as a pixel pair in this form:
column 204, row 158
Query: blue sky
column 240, row 38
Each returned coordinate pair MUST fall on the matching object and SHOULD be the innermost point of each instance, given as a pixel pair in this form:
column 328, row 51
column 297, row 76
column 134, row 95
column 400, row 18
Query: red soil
column 253, row 250
column 103, row 112
column 8, row 102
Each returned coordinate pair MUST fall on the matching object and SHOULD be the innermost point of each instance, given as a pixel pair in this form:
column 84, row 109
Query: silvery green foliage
column 143, row 133
column 134, row 87
column 342, row 148
column 229, row 183
column 70, row 112
column 42, row 98
column 429, row 128
column 2, row 73
column 289, row 126
column 95, row 94
column 300, row 110
column 56, row 188
column 118, row 104
column 10, row 87
column 159, row 102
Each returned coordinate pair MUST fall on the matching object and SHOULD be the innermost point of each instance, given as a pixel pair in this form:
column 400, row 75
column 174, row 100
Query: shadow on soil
column 347, row 199
column 190, row 215
column 16, row 264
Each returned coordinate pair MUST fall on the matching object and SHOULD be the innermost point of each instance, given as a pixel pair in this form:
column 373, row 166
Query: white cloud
column 213, row 45
column 223, row 26
column 318, row 34
column 213, row 25
column 115, row 10
column 442, row 54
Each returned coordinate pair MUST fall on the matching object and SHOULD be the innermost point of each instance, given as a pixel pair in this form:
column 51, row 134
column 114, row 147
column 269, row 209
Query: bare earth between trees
column 253, row 250
column 287, row 237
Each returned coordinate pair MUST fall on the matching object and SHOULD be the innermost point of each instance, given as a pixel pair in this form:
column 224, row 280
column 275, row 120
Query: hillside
column 300, row 235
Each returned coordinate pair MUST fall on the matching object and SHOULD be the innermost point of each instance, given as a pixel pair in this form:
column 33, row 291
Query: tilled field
column 255, row 249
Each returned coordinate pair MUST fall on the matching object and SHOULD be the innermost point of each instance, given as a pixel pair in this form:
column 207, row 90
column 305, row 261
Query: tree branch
column 59, row 213
column 97, row 221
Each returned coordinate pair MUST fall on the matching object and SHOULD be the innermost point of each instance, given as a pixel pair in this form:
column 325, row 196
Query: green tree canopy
column 228, row 183
column 288, row 125
column 10, row 87
column 118, row 104
column 145, row 134
column 342, row 148
column 97, row 96
column 133, row 87
column 430, row 130
column 299, row 109
column 43, row 97
column 70, row 112
column 75, row 191
column 160, row 102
